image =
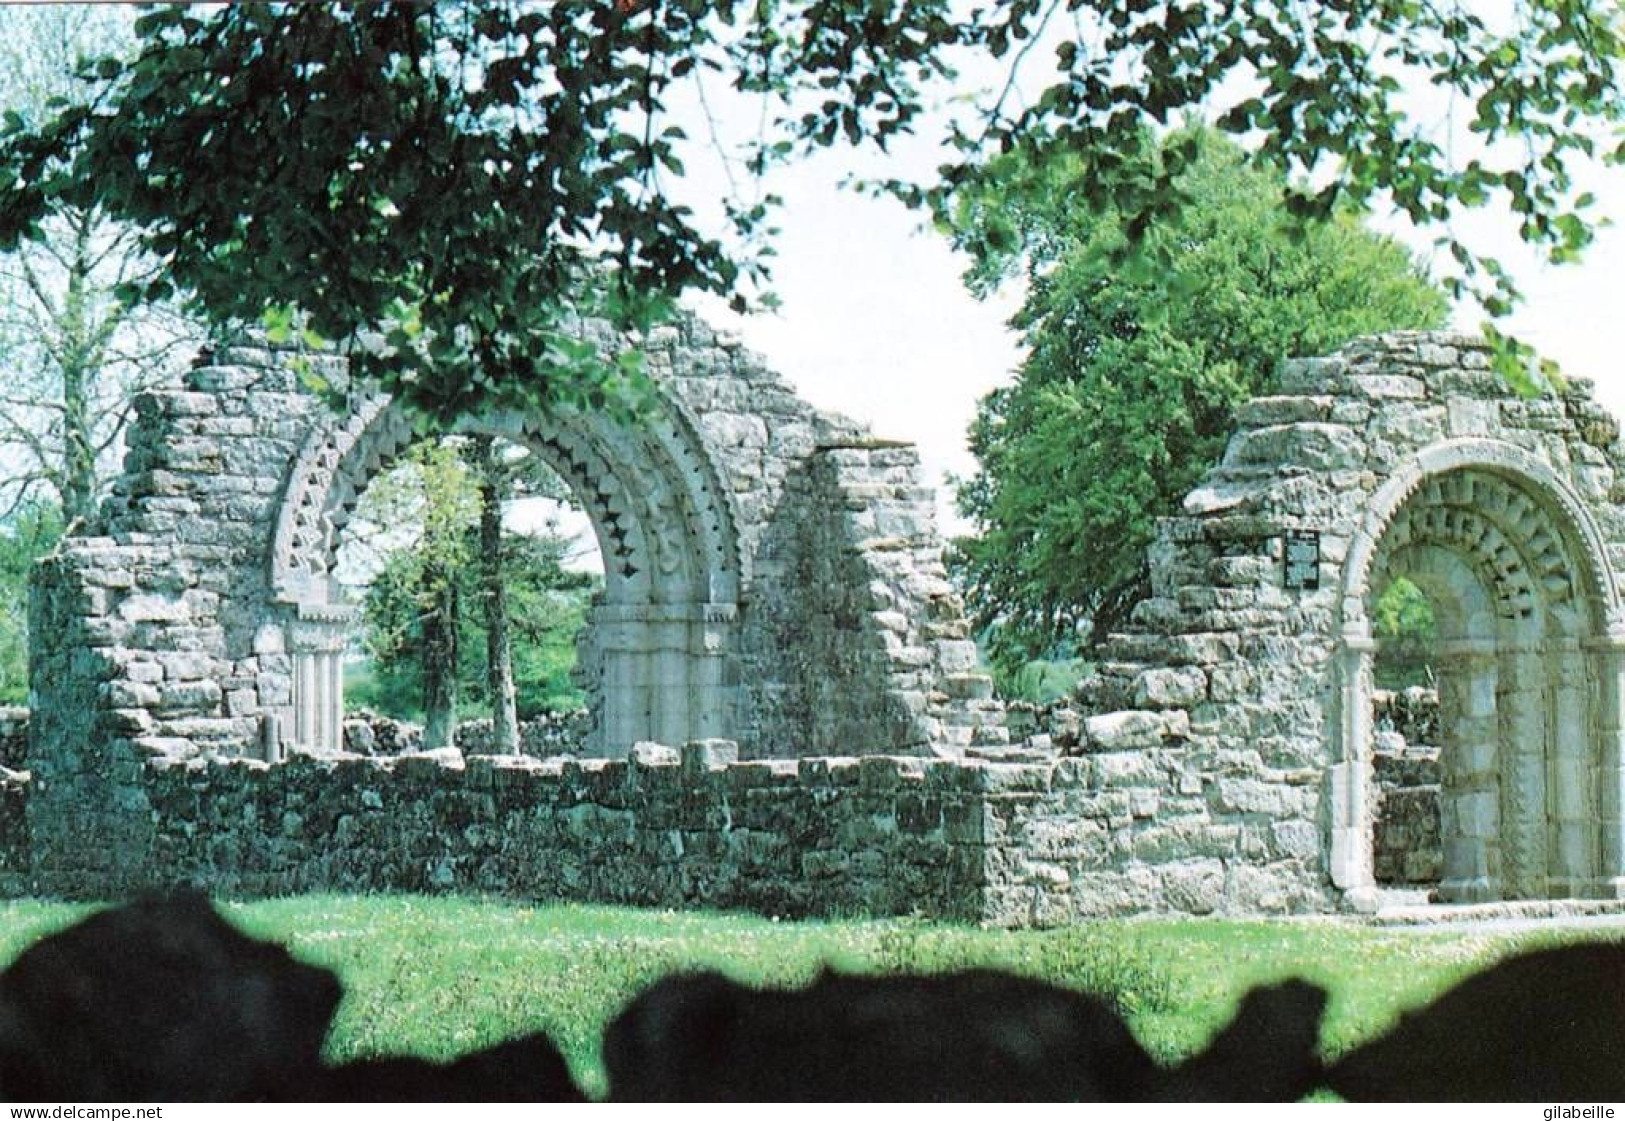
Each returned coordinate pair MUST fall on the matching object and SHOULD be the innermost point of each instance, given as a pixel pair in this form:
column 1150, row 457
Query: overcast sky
column 878, row 325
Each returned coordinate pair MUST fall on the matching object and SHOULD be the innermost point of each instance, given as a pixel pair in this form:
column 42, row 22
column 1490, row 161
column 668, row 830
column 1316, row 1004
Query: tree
column 445, row 549
column 495, row 484
column 73, row 355
column 421, row 581
column 503, row 473
column 1128, row 392
column 1403, row 621
column 428, row 184
column 547, row 604
column 24, row 537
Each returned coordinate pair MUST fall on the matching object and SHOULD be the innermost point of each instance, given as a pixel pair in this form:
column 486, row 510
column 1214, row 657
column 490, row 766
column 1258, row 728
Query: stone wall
column 1405, row 840
column 545, row 735
column 809, row 837
column 1250, row 680
column 1009, row 844
column 1220, row 761
column 1012, row 844
column 197, row 618
column 870, row 645
column 14, row 783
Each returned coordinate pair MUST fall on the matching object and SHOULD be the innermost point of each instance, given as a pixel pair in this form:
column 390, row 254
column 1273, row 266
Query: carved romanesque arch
column 658, row 649
column 1551, row 506
column 1529, row 614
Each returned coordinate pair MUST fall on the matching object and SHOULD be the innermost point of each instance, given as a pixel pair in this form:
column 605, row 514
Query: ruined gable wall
column 1211, row 722
column 849, row 631
column 161, row 640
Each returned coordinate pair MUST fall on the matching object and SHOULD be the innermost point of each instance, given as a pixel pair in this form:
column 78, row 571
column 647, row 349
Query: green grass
column 440, row 976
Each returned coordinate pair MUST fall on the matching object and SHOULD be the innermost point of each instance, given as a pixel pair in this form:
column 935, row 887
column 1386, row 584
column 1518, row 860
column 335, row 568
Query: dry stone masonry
column 1247, row 676
column 1405, row 844
column 786, row 708
column 773, row 576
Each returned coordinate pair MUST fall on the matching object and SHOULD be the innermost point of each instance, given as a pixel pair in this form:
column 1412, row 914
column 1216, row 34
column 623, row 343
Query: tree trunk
column 78, row 477
column 493, row 594
column 439, row 659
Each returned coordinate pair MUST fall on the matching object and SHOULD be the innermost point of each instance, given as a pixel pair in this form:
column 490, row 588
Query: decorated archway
column 658, row 650
column 1529, row 664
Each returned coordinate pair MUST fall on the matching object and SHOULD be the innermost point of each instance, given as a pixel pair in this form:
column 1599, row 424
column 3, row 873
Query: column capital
column 1356, row 634
column 1611, row 639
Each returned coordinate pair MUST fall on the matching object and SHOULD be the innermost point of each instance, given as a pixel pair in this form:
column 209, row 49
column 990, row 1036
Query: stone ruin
column 787, row 711
column 1406, row 850
column 1249, row 671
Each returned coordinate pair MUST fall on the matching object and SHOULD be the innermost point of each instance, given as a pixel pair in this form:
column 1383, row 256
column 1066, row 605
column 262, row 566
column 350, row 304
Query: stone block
column 186, row 665
column 1468, row 416
column 1127, row 768
column 144, row 673
column 165, row 747
column 153, row 608
column 190, row 695
column 1262, row 412
column 431, row 764
column 1387, row 387
column 130, row 721
column 131, row 694
column 968, row 686
column 1260, row 889
column 1296, row 839
column 269, row 639
column 649, row 754
column 957, row 656
column 1241, row 795
column 1133, row 728
column 1196, row 887
column 1170, row 688
column 242, row 702
column 273, row 689
column 1312, row 375
column 1317, row 447
column 701, row 756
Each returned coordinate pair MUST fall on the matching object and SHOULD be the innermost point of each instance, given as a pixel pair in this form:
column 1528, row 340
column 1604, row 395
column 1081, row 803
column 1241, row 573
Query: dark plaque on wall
column 1303, row 559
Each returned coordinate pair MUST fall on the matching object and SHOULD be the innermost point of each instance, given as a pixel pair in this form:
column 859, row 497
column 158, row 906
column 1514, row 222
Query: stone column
column 669, row 690
column 317, row 638
column 1608, row 659
column 1351, row 775
column 663, row 673
column 712, row 706
column 304, row 693
column 1574, row 841
column 620, row 636
column 335, row 696
column 1521, row 707
column 1470, row 803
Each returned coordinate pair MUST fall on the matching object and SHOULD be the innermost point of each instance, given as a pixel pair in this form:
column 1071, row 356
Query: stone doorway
column 656, row 651
column 415, row 561
column 1527, row 680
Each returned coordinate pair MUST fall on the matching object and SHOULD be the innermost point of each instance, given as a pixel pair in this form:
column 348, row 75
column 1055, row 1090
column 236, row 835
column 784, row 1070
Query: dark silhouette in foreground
column 528, row 1069
column 972, row 1036
column 160, row 1000
column 1542, row 1026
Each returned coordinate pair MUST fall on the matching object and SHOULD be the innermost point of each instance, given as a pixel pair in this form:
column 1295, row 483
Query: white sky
column 876, row 324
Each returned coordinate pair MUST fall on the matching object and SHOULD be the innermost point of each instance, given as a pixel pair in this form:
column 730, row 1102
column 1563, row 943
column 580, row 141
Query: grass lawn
column 440, row 976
